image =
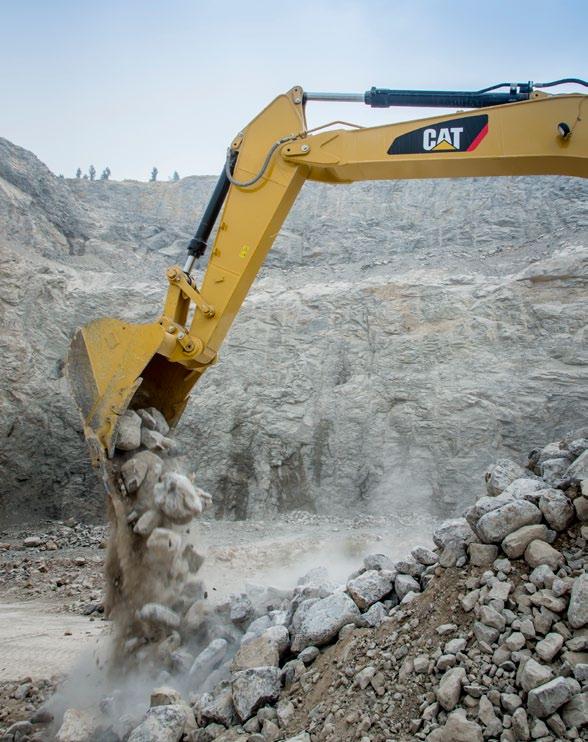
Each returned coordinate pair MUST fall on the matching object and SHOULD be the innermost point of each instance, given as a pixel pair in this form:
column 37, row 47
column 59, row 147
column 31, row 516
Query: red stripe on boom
column 478, row 139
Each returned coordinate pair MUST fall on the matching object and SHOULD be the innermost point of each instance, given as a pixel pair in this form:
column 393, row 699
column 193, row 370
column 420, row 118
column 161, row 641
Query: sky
column 132, row 84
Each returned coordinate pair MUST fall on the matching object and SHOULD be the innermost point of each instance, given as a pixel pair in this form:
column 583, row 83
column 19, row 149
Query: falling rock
column 128, row 436
column 209, row 659
column 449, row 690
column 164, row 543
column 159, row 615
column 503, row 473
column 557, row 510
column 165, row 696
column 254, row 688
column 545, row 699
column 405, row 584
column 575, row 712
column 515, row 543
column 497, row 524
column 133, row 472
column 241, row 609
column 164, row 724
column 457, row 729
column 78, row 725
column 323, row 619
column 533, row 674
column 147, row 523
column 538, row 552
column 578, row 606
column 177, row 498
column 370, row 586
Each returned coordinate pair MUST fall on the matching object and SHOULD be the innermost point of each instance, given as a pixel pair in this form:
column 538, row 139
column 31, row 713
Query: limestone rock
column 128, row 436
column 578, row 606
column 163, row 724
column 538, row 552
column 557, row 510
column 448, row 692
column 370, row 586
column 515, row 543
column 253, row 688
column 545, row 699
column 78, row 725
column 323, row 619
column 500, row 475
column 497, row 524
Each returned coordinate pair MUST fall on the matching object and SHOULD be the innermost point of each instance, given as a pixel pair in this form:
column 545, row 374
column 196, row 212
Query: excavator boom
column 114, row 365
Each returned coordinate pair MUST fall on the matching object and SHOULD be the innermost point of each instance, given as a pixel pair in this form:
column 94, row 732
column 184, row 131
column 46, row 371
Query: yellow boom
column 114, row 364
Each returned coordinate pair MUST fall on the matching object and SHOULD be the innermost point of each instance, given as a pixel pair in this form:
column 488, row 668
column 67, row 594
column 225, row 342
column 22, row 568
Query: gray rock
column 457, row 529
column 457, row 728
column 501, row 474
column 497, row 524
column 128, row 436
column 209, row 659
column 254, row 688
column 557, row 510
column 579, row 468
column 378, row 561
column 309, row 655
column 323, row 619
column 241, row 610
column 552, row 470
column 163, row 724
column 404, row 584
column 424, row 556
column 545, row 699
column 532, row 674
column 520, row 724
column 485, row 633
column 578, row 606
column 217, row 708
column 538, row 552
column 177, row 498
column 547, row 648
column 575, row 712
column 370, row 587
column 524, row 489
column 453, row 554
column 375, row 615
column 492, row 617
column 515, row 543
column 482, row 555
column 448, row 692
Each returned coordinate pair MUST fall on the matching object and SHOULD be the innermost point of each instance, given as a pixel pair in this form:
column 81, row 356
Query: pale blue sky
column 137, row 83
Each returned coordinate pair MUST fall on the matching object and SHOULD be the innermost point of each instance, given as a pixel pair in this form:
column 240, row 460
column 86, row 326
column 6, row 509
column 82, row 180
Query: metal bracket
column 175, row 275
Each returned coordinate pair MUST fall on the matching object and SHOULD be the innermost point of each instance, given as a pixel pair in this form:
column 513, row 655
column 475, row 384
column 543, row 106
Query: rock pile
column 483, row 637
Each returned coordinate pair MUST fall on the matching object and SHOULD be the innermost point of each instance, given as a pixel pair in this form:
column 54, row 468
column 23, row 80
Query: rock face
column 389, row 339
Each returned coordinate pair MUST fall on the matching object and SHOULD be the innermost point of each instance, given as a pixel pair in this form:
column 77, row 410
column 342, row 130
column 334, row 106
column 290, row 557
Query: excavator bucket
column 113, row 365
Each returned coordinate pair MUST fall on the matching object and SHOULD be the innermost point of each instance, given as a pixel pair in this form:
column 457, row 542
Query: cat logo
column 457, row 135
column 444, row 139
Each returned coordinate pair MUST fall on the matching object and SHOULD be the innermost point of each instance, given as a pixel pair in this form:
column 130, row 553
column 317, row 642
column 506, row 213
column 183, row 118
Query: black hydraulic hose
column 563, row 81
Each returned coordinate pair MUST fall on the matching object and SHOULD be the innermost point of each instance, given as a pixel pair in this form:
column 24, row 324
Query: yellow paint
column 113, row 364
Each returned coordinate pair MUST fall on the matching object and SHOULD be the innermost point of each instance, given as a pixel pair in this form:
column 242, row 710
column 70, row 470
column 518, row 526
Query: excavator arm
column 114, row 365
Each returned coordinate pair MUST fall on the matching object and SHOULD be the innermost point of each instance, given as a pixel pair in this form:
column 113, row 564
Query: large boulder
column 323, row 619
column 164, row 724
column 501, row 474
column 370, row 586
column 497, row 524
column 254, row 688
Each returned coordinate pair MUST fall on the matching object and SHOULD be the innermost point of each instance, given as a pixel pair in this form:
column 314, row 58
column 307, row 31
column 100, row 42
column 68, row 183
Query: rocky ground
column 482, row 636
